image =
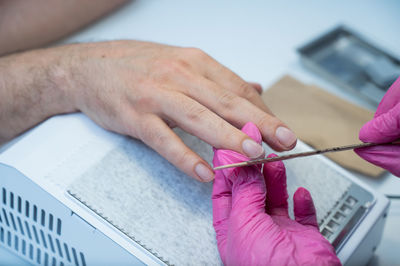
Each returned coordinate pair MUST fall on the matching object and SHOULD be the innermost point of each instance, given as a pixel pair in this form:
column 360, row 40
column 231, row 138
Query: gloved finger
column 248, row 187
column 384, row 128
column 222, row 188
column 304, row 210
column 387, row 157
column 391, row 98
column 222, row 196
column 275, row 180
column 222, row 204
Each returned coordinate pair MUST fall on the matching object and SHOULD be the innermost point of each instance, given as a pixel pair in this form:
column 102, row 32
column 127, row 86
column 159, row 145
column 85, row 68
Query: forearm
column 28, row 91
column 32, row 24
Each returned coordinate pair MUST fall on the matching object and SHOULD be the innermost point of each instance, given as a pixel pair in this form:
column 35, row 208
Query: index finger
column 247, row 106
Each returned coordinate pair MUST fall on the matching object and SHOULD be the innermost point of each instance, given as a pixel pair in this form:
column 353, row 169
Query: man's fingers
column 224, row 77
column 275, row 180
column 304, row 210
column 238, row 111
column 198, row 120
column 233, row 99
column 274, row 131
column 156, row 134
column 229, row 81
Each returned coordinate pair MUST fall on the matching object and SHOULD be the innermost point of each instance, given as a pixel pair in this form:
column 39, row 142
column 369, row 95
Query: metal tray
column 348, row 60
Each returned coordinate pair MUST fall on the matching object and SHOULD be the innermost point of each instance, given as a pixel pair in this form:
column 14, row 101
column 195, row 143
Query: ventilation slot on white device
column 31, row 232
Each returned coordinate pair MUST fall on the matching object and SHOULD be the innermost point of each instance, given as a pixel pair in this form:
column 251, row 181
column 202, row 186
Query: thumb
column 383, row 128
column 386, row 157
column 391, row 98
column 304, row 210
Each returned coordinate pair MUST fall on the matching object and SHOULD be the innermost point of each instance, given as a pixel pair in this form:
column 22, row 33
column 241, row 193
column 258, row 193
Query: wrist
column 59, row 82
column 72, row 71
column 44, row 81
column 30, row 91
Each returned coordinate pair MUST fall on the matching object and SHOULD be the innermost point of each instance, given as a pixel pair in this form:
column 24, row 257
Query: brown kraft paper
column 321, row 120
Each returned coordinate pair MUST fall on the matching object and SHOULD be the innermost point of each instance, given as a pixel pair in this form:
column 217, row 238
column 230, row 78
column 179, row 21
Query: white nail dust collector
column 72, row 193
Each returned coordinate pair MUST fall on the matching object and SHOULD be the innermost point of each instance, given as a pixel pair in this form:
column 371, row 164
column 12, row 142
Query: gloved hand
column 253, row 226
column 385, row 127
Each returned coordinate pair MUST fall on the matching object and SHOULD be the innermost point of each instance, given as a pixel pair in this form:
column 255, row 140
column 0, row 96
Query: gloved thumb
column 383, row 128
column 386, row 157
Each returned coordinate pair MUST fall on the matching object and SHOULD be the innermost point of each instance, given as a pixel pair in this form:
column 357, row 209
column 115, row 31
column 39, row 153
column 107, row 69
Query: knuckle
column 145, row 132
column 163, row 65
column 150, row 134
column 229, row 139
column 195, row 53
column 267, row 121
column 246, row 91
column 192, row 111
column 227, row 100
column 146, row 103
column 171, row 68
column 195, row 113
column 182, row 158
column 128, row 122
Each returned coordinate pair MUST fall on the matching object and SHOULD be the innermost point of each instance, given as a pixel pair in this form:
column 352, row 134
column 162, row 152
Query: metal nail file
column 304, row 154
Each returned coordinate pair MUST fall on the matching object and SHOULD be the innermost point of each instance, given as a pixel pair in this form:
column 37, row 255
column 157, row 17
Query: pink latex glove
column 253, row 227
column 385, row 127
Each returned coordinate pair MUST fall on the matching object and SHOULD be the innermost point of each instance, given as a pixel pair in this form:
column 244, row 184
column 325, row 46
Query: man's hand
column 251, row 220
column 135, row 88
column 141, row 89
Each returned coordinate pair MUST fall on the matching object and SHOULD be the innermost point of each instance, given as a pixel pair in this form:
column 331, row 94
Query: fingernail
column 204, row 172
column 252, row 149
column 285, row 136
